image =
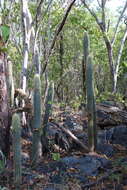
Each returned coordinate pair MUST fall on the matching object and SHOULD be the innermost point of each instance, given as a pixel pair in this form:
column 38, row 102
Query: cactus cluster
column 91, row 110
column 16, row 131
column 36, row 120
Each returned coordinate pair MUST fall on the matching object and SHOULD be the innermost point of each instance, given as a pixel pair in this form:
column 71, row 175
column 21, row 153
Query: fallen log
column 75, row 139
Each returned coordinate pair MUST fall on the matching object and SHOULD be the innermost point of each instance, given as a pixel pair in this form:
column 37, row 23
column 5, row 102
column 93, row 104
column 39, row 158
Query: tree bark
column 4, row 107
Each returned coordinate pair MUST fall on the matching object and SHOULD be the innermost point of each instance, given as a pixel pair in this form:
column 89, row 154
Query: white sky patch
column 113, row 5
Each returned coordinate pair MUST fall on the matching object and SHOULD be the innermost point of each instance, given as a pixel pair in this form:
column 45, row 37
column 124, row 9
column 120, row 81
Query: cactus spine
column 86, row 50
column 16, row 130
column 36, row 119
column 92, row 132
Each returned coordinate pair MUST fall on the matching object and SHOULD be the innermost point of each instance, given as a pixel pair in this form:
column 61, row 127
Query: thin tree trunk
column 61, row 53
column 113, row 65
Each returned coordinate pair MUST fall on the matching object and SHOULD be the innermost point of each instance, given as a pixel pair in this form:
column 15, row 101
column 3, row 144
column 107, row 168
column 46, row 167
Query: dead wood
column 75, row 139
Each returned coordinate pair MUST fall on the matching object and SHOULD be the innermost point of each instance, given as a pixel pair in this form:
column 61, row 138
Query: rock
column 105, row 136
column 54, row 187
column 120, row 135
column 58, row 179
column 106, row 149
column 72, row 124
column 88, row 165
column 25, row 157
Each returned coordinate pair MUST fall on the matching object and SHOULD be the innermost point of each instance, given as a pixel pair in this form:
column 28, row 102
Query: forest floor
column 72, row 169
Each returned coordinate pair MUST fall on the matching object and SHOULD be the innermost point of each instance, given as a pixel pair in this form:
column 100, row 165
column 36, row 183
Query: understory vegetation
column 63, row 95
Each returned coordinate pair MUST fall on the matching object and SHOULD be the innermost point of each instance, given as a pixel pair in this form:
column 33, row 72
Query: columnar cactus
column 48, row 103
column 86, row 50
column 92, row 136
column 86, row 46
column 16, row 131
column 36, row 119
column 48, row 112
column 10, row 82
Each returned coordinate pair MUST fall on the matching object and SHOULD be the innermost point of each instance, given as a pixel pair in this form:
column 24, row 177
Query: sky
column 114, row 4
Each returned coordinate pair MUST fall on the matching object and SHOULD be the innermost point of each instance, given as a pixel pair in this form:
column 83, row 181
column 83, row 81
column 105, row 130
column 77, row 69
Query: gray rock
column 106, row 149
column 88, row 165
column 120, row 135
column 25, row 157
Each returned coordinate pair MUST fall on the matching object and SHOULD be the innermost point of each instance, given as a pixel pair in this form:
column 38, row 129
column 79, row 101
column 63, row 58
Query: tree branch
column 120, row 50
column 93, row 14
column 117, row 24
column 58, row 30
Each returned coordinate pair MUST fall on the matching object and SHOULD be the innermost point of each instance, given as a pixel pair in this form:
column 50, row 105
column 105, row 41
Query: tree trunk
column 4, row 108
column 61, row 52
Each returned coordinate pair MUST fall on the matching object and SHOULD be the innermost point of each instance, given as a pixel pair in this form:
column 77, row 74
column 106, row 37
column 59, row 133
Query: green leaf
column 56, row 156
column 5, row 32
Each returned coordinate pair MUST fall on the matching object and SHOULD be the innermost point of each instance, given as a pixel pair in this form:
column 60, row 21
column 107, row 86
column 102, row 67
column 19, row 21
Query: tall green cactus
column 92, row 132
column 16, row 131
column 48, row 113
column 36, row 120
column 86, row 50
column 86, row 46
column 10, row 83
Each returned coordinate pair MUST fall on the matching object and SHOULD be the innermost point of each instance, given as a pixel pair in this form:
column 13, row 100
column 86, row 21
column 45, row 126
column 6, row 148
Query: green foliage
column 16, row 131
column 108, row 96
column 5, row 32
column 3, row 49
column 115, row 176
column 2, row 162
column 56, row 156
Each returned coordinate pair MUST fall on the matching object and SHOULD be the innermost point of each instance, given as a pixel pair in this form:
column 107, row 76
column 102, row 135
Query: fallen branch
column 68, row 132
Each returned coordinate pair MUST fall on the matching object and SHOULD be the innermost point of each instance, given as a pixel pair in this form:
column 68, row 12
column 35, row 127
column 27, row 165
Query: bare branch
column 103, row 3
column 100, row 24
column 38, row 13
column 117, row 24
column 99, row 3
column 60, row 27
column 58, row 30
column 120, row 50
